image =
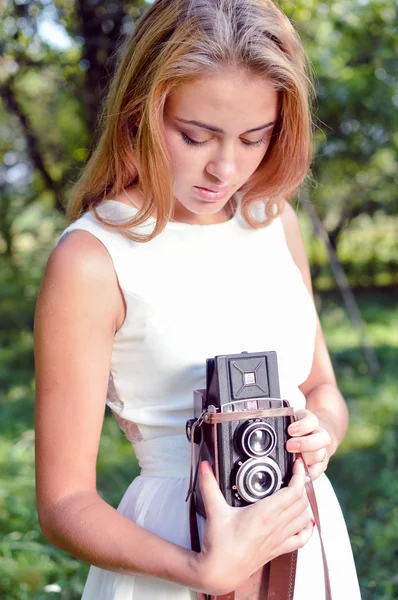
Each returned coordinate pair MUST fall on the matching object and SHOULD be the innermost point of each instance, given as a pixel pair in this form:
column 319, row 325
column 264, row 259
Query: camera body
column 248, row 455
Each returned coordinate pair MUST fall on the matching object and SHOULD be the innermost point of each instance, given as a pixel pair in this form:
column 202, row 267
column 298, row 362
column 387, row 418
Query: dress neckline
column 178, row 225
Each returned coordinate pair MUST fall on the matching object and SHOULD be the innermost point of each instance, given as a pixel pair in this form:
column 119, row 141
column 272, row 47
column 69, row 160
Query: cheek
column 174, row 147
column 187, row 166
column 180, row 156
column 262, row 155
column 183, row 159
column 253, row 162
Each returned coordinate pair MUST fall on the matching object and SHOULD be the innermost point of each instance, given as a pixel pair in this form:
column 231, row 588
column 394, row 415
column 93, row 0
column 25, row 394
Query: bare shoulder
column 82, row 252
column 290, row 223
column 295, row 242
column 81, row 271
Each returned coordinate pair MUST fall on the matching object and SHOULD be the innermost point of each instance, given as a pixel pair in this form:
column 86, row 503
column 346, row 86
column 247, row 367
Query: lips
column 215, row 190
column 210, row 195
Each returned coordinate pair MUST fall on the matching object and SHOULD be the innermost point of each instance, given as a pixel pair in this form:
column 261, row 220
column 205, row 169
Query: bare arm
column 78, row 311
column 320, row 389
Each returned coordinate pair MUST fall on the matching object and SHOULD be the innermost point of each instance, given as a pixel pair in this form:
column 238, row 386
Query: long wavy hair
column 179, row 41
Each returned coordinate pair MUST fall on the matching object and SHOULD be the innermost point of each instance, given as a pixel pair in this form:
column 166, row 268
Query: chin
column 200, row 207
column 210, row 209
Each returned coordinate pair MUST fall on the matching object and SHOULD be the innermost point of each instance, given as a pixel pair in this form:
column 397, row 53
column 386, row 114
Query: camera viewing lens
column 258, row 478
column 257, row 438
column 259, row 441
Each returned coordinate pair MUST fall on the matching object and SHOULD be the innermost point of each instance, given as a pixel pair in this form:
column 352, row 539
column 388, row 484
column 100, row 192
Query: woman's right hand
column 238, row 541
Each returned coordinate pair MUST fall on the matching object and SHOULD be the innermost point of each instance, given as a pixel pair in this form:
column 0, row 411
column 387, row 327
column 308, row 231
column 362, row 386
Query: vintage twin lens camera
column 248, row 455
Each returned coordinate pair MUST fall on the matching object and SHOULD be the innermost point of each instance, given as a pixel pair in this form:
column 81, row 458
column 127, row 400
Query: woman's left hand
column 311, row 440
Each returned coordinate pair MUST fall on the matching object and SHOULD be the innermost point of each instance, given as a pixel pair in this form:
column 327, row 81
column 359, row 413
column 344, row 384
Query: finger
column 313, row 458
column 306, row 423
column 287, row 496
column 297, row 480
column 297, row 541
column 317, row 440
column 297, row 510
column 212, row 496
column 303, row 520
column 298, row 467
column 316, row 471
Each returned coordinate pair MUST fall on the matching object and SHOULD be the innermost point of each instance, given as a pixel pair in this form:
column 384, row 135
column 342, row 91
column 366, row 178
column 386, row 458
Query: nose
column 223, row 165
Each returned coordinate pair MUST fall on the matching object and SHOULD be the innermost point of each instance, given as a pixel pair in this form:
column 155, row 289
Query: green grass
column 363, row 471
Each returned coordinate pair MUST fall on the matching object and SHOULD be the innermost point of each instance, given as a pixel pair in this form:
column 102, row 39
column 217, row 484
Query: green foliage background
column 49, row 99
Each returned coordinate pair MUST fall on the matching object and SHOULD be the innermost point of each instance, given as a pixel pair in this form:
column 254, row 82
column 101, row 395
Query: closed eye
column 192, row 142
column 254, row 144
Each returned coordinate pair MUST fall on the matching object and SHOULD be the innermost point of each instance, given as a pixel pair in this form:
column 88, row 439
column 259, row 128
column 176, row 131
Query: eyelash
column 191, row 142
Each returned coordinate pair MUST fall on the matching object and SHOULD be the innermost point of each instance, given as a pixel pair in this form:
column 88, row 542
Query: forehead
column 234, row 102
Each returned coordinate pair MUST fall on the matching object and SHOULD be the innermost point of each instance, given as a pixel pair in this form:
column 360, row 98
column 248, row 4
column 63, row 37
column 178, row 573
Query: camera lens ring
column 245, row 478
column 247, row 438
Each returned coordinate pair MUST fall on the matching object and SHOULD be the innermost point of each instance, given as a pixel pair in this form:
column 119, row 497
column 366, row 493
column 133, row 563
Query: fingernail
column 294, row 429
column 204, row 468
column 313, row 523
column 294, row 445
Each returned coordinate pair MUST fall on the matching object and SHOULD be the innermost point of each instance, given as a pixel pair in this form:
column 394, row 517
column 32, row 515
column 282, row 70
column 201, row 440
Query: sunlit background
column 55, row 62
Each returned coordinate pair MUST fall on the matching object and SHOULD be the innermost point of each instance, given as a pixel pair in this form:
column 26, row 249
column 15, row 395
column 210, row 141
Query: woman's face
column 218, row 130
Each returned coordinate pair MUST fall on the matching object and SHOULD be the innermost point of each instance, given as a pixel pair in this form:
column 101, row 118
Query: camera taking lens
column 258, row 478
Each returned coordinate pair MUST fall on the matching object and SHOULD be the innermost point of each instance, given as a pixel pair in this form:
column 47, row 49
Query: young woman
column 182, row 246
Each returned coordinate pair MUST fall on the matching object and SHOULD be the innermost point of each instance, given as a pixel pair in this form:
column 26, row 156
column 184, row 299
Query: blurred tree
column 353, row 48
column 56, row 61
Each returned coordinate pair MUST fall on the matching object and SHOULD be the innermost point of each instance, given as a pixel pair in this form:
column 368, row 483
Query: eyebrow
column 218, row 130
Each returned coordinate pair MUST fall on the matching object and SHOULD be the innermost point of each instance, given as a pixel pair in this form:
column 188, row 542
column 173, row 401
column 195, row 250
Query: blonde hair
column 175, row 42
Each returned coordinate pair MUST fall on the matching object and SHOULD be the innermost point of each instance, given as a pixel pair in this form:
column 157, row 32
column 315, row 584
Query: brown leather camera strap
column 276, row 579
column 213, row 417
column 309, row 487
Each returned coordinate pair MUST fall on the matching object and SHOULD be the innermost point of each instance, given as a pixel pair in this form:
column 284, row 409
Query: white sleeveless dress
column 193, row 292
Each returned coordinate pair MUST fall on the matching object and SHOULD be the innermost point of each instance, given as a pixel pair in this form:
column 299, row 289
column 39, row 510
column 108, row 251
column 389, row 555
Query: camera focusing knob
column 188, row 430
